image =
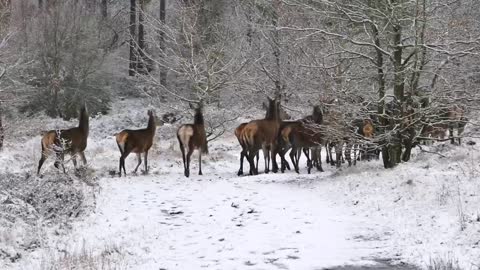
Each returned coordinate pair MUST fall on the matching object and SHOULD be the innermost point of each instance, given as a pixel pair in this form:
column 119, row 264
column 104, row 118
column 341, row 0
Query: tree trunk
column 163, row 70
column 133, row 52
column 141, row 62
column 40, row 4
column 2, row 130
column 104, row 8
column 279, row 87
column 395, row 149
column 383, row 120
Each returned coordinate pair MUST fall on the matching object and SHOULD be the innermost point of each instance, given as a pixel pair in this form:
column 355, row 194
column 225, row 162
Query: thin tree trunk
column 163, row 71
column 40, row 4
column 133, row 52
column 398, row 91
column 141, row 61
column 381, row 95
column 277, row 51
column 2, row 130
column 104, row 8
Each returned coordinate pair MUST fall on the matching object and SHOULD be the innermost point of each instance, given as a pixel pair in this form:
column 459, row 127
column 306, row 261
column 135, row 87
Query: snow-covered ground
column 426, row 209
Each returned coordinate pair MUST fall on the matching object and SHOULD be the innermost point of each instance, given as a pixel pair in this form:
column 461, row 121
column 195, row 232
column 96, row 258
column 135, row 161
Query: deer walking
column 244, row 152
column 137, row 141
column 456, row 119
column 71, row 141
column 305, row 136
column 191, row 137
column 285, row 139
column 262, row 134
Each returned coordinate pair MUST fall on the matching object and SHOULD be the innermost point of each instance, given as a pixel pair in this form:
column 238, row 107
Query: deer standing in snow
column 191, row 137
column 72, row 141
column 137, row 141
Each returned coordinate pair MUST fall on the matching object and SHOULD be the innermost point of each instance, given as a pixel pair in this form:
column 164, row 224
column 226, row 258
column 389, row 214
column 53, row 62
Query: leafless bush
column 28, row 203
column 111, row 258
column 444, row 263
column 66, row 46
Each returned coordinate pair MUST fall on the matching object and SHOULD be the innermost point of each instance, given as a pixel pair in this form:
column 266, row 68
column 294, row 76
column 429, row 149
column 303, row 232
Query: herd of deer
column 272, row 135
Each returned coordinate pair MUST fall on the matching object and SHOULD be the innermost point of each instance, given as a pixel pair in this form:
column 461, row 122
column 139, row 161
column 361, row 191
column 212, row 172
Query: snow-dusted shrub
column 111, row 257
column 444, row 263
column 27, row 203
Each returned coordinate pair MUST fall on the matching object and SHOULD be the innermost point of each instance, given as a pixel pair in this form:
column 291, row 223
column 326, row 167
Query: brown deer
column 244, row 152
column 191, row 137
column 362, row 132
column 262, row 134
column 137, row 141
column 456, row 119
column 287, row 126
column 306, row 135
column 71, row 141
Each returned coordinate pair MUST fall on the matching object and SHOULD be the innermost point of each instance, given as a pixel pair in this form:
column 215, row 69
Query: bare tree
column 163, row 71
column 132, row 70
column 397, row 47
column 104, row 8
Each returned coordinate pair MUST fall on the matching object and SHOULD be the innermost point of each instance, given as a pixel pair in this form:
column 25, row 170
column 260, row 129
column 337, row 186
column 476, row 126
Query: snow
column 425, row 209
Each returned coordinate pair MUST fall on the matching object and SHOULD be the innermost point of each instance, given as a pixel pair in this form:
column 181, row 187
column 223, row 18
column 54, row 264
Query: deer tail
column 286, row 134
column 121, row 139
column 247, row 137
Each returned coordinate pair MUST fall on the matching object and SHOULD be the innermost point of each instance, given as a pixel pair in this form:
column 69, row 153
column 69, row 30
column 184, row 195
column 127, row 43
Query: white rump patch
column 185, row 133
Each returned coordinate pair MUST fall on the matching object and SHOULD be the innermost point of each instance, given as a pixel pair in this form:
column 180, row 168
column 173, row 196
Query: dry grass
column 446, row 263
column 110, row 258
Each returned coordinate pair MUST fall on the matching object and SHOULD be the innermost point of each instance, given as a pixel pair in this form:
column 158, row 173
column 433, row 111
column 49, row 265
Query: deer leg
column 251, row 156
column 287, row 166
column 242, row 155
column 40, row 163
column 293, row 150
column 182, row 149
column 273, row 152
column 281, row 153
column 139, row 158
column 284, row 164
column 298, row 155
column 189, row 154
column 265, row 158
column 200, row 162
column 122, row 162
column 146, row 162
column 258, row 157
column 84, row 160
column 306, row 151
column 74, row 161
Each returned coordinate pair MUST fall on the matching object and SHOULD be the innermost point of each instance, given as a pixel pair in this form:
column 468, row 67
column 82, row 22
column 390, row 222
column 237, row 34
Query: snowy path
column 257, row 222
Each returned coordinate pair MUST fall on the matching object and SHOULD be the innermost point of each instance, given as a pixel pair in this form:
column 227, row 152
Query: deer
column 192, row 137
column 244, row 152
column 363, row 130
column 138, row 141
column 262, row 134
column 71, row 141
column 456, row 119
column 305, row 135
column 433, row 131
